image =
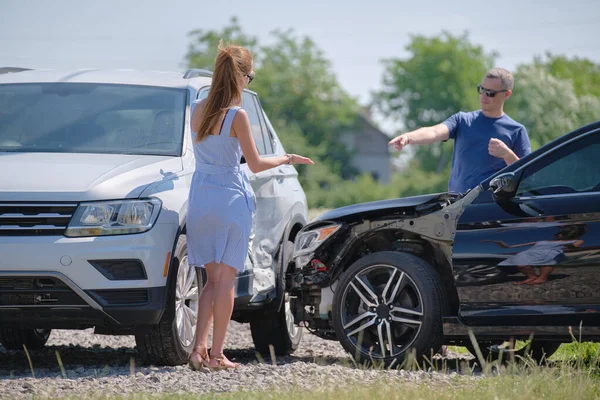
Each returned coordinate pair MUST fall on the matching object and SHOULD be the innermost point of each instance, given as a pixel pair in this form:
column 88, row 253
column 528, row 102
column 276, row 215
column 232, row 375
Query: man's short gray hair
column 504, row 75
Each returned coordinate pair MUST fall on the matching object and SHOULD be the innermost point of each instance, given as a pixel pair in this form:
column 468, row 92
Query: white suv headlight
column 307, row 242
column 114, row 217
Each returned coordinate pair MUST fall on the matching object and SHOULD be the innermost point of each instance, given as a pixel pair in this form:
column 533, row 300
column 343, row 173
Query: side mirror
column 503, row 186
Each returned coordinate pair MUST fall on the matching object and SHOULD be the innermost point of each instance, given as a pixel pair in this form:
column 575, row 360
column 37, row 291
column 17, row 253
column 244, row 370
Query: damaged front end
column 423, row 226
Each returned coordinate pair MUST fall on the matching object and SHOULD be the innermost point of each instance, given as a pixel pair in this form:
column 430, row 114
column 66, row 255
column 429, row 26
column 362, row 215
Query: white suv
column 95, row 170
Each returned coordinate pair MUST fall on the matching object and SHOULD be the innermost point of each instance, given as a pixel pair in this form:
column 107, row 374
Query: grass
column 573, row 372
column 524, row 383
column 586, row 352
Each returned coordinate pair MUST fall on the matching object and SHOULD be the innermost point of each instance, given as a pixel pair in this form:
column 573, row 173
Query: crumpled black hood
column 380, row 208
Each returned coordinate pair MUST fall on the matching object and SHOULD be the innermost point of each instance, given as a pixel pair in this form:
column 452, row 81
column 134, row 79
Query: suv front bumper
column 51, row 300
column 111, row 281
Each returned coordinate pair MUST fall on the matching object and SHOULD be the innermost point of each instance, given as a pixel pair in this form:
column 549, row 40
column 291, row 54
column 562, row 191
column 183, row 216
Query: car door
column 270, row 201
column 550, row 226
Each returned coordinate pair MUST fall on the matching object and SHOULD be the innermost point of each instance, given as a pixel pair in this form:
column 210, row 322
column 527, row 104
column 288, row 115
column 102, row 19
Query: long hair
column 231, row 65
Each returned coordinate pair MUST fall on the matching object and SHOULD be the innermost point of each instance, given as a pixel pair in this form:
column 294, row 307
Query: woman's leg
column 529, row 272
column 205, row 313
column 224, row 288
column 545, row 272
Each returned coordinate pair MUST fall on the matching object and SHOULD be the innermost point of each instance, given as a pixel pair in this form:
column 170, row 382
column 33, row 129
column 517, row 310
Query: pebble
column 100, row 365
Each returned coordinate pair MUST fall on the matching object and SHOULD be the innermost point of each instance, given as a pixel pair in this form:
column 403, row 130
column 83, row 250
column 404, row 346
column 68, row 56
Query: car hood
column 381, row 208
column 80, row 177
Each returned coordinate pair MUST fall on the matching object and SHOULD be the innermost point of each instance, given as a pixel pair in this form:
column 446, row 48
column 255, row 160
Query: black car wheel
column 386, row 304
column 14, row 338
column 537, row 350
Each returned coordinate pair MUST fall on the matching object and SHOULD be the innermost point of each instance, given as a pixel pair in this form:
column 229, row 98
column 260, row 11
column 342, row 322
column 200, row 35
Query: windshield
column 91, row 118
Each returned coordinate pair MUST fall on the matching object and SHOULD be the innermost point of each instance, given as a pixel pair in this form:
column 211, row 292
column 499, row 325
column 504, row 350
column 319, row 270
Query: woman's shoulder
column 197, row 105
column 240, row 113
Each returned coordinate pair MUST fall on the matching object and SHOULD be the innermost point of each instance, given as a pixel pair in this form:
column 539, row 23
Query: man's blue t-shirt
column 471, row 161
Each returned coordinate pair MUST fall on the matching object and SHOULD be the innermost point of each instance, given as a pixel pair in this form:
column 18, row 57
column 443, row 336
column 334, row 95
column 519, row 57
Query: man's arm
column 425, row 135
column 522, row 147
column 499, row 149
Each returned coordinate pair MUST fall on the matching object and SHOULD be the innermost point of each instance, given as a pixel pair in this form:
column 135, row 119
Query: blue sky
column 355, row 35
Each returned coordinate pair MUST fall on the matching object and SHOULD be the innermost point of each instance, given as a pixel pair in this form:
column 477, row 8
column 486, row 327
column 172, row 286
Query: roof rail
column 7, row 70
column 195, row 72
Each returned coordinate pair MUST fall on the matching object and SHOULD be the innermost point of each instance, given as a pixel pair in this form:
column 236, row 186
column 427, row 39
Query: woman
column 543, row 253
column 221, row 200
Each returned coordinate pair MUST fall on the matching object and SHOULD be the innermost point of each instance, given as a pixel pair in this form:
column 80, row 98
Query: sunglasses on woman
column 251, row 76
column 489, row 92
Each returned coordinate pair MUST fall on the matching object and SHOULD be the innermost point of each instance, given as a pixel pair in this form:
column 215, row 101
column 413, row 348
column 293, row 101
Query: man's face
column 492, row 86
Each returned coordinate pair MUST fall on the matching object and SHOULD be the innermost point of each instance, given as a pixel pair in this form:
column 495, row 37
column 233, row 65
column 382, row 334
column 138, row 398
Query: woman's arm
column 241, row 129
column 506, row 246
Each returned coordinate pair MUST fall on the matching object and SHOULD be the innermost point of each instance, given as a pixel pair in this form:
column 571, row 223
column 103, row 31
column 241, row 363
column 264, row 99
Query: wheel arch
column 398, row 240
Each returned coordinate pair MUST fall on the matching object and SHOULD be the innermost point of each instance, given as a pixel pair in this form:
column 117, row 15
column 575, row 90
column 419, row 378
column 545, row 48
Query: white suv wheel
column 186, row 302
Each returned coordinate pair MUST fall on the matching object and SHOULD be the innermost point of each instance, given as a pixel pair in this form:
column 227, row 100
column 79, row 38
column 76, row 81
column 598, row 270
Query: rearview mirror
column 503, row 186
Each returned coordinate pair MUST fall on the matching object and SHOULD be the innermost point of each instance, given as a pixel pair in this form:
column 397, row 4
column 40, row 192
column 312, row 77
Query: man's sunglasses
column 251, row 77
column 489, row 92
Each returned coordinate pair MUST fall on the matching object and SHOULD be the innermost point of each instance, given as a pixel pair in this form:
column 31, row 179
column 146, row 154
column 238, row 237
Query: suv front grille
column 31, row 291
column 35, row 219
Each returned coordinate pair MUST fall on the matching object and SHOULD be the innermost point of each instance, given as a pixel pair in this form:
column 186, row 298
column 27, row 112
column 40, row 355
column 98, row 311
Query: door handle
column 531, row 209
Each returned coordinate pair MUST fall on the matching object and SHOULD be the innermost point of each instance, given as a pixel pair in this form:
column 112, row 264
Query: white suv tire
column 162, row 344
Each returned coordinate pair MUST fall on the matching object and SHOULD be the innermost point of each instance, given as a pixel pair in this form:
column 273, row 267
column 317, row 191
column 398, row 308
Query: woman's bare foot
column 221, row 362
column 529, row 272
column 545, row 272
column 538, row 280
column 526, row 281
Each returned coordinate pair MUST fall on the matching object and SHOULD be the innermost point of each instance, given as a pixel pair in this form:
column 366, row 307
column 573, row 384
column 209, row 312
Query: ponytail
column 231, row 64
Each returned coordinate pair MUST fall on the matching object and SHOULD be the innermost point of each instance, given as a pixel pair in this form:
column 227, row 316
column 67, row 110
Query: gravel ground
column 109, row 365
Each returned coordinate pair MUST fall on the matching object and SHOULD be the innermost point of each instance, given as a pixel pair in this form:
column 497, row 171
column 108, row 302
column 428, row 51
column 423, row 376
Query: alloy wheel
column 186, row 302
column 382, row 311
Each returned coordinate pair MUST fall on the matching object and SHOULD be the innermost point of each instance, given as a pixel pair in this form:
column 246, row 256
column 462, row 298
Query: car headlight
column 307, row 242
column 114, row 217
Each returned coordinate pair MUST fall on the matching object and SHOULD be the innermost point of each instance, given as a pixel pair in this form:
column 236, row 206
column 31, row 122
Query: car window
column 250, row 106
column 91, row 118
column 267, row 135
column 270, row 130
column 574, row 168
column 202, row 94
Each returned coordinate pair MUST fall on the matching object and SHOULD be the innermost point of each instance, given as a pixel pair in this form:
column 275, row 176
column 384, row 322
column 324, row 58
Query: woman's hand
column 296, row 159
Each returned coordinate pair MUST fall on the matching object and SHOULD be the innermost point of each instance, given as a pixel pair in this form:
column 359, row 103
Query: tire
column 277, row 327
column 14, row 339
column 171, row 341
column 408, row 299
column 537, row 350
column 477, row 275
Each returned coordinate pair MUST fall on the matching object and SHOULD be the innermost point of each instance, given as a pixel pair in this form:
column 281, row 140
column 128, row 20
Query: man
column 485, row 141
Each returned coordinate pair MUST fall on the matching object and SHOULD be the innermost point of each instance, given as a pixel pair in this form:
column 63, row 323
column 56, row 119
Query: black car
column 514, row 260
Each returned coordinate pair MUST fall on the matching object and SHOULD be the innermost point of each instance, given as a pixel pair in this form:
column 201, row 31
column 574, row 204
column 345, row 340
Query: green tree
column 436, row 80
column 296, row 87
column 202, row 49
column 583, row 73
column 549, row 106
column 297, row 83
